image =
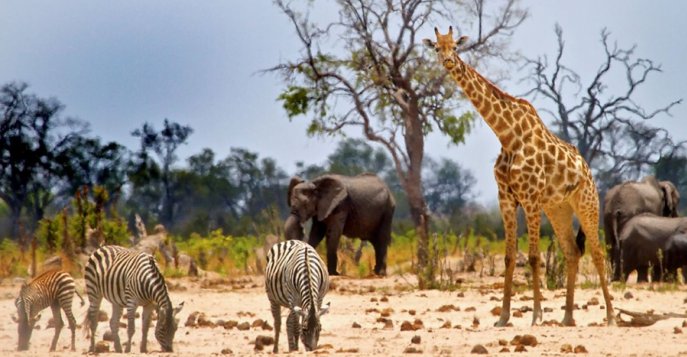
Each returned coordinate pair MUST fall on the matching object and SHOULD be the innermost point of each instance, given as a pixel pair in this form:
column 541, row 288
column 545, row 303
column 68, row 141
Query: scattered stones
column 407, row 326
column 470, row 309
column 416, row 339
column 475, row 322
column 528, row 340
column 527, row 309
column 374, row 299
column 495, row 311
column 262, row 341
column 384, row 299
column 503, row 342
column 548, row 309
column 102, row 316
column 448, row 308
column 460, row 294
column 412, row 349
column 517, row 313
column 593, row 301
column 412, row 312
column 191, row 320
column 504, row 350
column 348, row 350
column 102, row 346
column 580, row 349
column 244, row 326
column 203, row 321
column 227, row 351
column 628, row 295
column 520, row 348
column 367, row 311
column 388, row 325
column 356, row 325
column 479, row 350
column 108, row 336
column 677, row 330
column 418, row 324
column 566, row 348
column 386, row 312
column 228, row 325
column 684, row 323
column 446, row 324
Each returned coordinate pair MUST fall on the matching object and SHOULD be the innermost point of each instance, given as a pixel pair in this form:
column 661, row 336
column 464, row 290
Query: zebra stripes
column 127, row 278
column 296, row 278
column 54, row 288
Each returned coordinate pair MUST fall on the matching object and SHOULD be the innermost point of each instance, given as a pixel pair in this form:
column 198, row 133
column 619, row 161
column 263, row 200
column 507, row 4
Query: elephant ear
column 330, row 192
column 671, row 198
column 294, row 181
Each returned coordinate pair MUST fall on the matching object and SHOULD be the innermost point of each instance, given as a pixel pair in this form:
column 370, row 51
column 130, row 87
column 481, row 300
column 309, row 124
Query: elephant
column 628, row 199
column 359, row 206
column 642, row 238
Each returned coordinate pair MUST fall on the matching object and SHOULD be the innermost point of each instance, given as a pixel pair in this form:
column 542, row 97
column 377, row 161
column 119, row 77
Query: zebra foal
column 128, row 278
column 296, row 278
column 54, row 288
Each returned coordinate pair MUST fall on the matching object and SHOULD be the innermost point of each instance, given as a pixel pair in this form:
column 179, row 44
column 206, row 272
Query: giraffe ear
column 462, row 40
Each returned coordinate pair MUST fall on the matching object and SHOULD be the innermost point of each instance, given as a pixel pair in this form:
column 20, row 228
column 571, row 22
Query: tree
column 673, row 168
column 448, row 187
column 354, row 156
column 164, row 144
column 608, row 127
column 366, row 70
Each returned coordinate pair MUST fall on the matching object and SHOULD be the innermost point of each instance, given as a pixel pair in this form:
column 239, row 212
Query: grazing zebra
column 54, row 288
column 127, row 278
column 296, row 278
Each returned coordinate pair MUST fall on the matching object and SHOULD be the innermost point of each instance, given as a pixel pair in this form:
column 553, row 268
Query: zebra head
column 311, row 327
column 25, row 322
column 167, row 325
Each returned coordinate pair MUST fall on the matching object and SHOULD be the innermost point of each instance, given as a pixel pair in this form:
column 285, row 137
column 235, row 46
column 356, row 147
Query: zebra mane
column 311, row 288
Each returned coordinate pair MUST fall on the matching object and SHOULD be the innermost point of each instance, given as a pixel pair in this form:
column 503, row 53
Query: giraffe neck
column 508, row 117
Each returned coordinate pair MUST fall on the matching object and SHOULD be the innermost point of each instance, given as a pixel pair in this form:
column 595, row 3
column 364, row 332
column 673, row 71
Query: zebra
column 296, row 278
column 54, row 288
column 128, row 278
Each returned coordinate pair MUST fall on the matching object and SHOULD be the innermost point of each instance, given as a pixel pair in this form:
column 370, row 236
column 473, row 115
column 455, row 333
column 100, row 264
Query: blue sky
column 118, row 64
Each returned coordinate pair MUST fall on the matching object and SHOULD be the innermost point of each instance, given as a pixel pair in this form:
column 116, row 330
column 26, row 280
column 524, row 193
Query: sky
column 118, row 64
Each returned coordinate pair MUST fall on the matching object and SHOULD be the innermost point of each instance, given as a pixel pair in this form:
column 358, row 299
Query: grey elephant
column 629, row 199
column 642, row 238
column 359, row 207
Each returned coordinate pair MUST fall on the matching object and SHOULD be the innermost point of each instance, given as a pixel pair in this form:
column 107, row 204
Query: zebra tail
column 79, row 295
column 85, row 328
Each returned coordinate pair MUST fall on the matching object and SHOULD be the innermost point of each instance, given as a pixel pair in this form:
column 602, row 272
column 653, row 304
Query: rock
column 446, row 324
column 356, row 325
column 191, row 319
column 102, row 316
column 416, row 339
column 243, row 326
column 528, row 340
column 348, row 350
column 520, row 348
column 548, row 309
column 566, row 348
column 580, row 349
column 102, row 346
column 517, row 313
column 504, row 350
column 475, row 322
column 479, row 350
column 411, row 312
column 386, row 312
column 448, row 308
column 593, row 301
column 503, row 342
column 407, row 326
column 470, row 309
column 388, row 325
column 257, row 323
column 677, row 330
column 374, row 299
column 262, row 341
column 228, row 325
column 227, row 351
column 108, row 336
column 203, row 321
column 495, row 311
column 384, row 299
column 266, row 326
column 628, row 295
column 412, row 349
column 417, row 324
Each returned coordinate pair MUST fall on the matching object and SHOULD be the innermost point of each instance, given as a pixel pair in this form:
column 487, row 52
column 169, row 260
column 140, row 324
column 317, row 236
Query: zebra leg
column 276, row 314
column 293, row 328
column 130, row 324
column 72, row 321
column 145, row 325
column 114, row 327
column 57, row 318
column 93, row 308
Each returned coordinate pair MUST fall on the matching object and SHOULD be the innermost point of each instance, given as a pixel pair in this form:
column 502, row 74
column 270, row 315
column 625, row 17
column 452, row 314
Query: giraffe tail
column 580, row 241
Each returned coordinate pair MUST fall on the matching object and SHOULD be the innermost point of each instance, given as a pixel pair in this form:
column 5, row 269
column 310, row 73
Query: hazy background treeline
column 50, row 161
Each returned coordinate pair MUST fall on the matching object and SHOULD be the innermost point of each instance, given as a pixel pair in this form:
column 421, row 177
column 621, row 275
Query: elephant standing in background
column 642, row 238
column 359, row 207
column 629, row 199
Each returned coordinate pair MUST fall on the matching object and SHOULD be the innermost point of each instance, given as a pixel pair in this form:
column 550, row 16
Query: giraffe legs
column 561, row 218
column 508, row 207
column 533, row 214
column 586, row 205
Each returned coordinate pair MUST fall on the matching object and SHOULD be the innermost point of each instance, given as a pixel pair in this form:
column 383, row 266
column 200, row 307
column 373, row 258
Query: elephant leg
column 381, row 244
column 317, row 233
column 332, row 248
column 642, row 274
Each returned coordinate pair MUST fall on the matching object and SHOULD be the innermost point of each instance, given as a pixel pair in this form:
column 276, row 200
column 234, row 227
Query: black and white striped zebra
column 296, row 278
column 54, row 288
column 128, row 279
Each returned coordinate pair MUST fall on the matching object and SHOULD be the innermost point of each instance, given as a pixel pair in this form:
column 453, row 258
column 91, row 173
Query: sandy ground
column 371, row 303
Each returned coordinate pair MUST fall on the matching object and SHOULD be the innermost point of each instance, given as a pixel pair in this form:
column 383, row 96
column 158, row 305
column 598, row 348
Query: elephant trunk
column 293, row 228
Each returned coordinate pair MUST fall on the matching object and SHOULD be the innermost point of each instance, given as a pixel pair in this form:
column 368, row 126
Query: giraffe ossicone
column 537, row 171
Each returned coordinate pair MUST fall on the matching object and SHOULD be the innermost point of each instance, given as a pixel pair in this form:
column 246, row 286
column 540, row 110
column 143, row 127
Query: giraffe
column 538, row 171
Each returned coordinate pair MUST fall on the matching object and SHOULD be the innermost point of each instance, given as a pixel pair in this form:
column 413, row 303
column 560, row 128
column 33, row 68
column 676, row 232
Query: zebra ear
column 325, row 309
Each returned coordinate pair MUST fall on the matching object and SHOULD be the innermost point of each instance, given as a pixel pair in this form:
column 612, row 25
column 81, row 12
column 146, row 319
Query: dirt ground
column 445, row 323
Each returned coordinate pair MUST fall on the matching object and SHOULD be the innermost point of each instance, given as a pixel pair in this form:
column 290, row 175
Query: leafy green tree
column 366, row 69
column 163, row 144
column 673, row 168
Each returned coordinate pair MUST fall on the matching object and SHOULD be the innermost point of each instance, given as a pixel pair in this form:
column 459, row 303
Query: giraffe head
column 446, row 47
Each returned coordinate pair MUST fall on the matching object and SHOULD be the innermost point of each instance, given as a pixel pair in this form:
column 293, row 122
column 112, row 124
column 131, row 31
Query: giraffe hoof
column 501, row 323
column 568, row 322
